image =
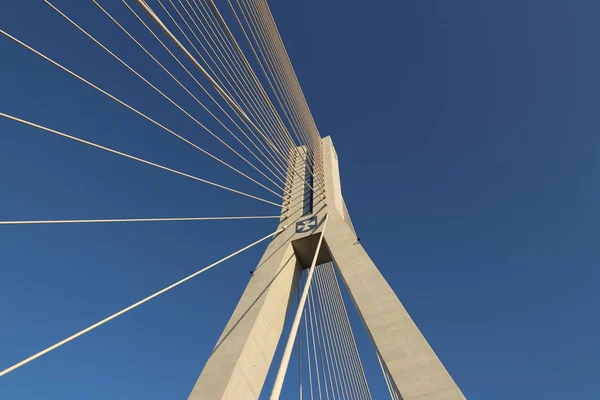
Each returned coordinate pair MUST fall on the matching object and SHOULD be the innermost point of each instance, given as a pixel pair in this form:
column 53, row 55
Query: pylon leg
column 416, row 371
column 238, row 365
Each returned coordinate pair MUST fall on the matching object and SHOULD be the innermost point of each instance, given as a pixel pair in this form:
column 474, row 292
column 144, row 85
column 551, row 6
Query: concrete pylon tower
column 240, row 361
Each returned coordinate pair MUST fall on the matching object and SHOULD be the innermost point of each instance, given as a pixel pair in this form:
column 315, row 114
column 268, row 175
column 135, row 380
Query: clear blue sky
column 467, row 133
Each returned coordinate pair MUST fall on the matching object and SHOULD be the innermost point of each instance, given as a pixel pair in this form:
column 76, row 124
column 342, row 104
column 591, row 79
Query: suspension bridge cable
column 385, row 377
column 308, row 363
column 94, row 221
column 299, row 344
column 321, row 359
column 355, row 366
column 233, row 43
column 212, row 81
column 337, row 334
column 241, row 100
column 22, row 121
column 325, row 307
column 260, row 63
column 208, row 65
column 263, row 57
column 194, row 97
column 354, row 347
column 243, row 88
column 242, row 64
column 280, row 172
column 228, row 99
column 222, row 92
column 268, row 53
column 287, row 352
column 354, row 363
column 201, row 43
column 328, row 366
column 388, row 383
column 309, row 316
column 131, row 307
column 290, row 66
column 327, row 362
column 267, row 29
column 325, row 340
column 325, row 365
column 283, row 63
column 162, row 94
column 122, row 103
column 346, row 366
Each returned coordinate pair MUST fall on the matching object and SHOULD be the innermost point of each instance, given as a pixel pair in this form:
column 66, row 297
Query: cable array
column 269, row 124
column 258, row 141
column 331, row 367
column 263, row 37
column 246, row 96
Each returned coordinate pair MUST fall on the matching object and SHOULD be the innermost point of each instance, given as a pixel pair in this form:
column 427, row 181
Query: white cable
column 345, row 382
column 265, row 105
column 325, row 367
column 341, row 333
column 391, row 390
column 325, row 305
column 314, row 343
column 258, row 58
column 287, row 352
column 237, row 50
column 261, row 62
column 217, row 87
column 316, row 180
column 93, row 221
column 272, row 58
column 284, row 68
column 353, row 342
column 191, row 95
column 103, row 92
column 208, row 53
column 353, row 362
column 269, row 57
column 181, row 47
column 131, row 307
column 284, row 63
column 162, row 94
column 326, row 345
column 134, row 158
column 310, row 381
column 243, row 89
column 222, row 90
column 299, row 344
column 387, row 382
column 342, row 336
column 280, row 173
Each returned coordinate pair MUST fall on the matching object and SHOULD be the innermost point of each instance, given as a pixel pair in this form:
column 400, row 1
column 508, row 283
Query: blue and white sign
column 307, row 225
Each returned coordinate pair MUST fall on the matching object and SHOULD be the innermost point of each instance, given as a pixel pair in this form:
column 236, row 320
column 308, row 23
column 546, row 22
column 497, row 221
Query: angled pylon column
column 415, row 370
column 240, row 361
column 412, row 364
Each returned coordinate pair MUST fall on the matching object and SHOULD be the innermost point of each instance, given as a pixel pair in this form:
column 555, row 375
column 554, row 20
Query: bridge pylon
column 238, row 366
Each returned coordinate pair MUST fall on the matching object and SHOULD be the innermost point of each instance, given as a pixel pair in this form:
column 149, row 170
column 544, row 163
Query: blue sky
column 467, row 135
